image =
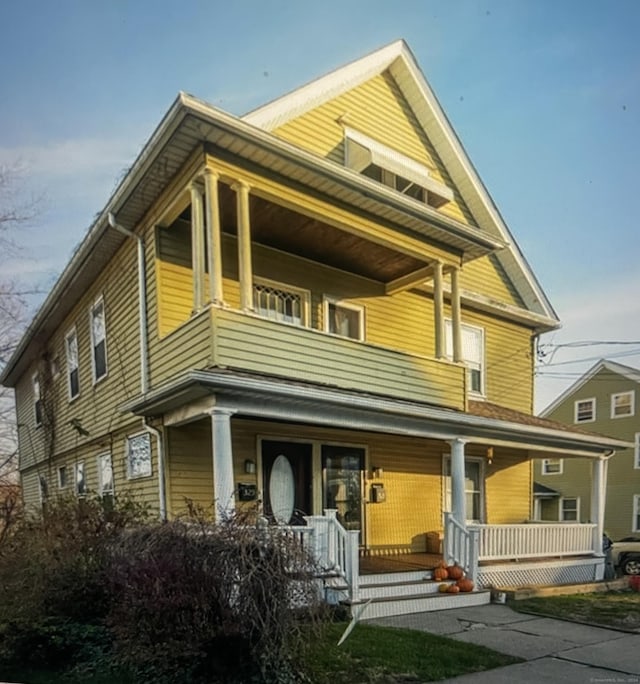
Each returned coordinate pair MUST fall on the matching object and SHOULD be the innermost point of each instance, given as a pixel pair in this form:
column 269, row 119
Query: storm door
column 342, row 472
column 286, row 472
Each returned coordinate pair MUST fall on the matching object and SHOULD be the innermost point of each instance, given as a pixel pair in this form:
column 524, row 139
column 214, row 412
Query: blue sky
column 544, row 94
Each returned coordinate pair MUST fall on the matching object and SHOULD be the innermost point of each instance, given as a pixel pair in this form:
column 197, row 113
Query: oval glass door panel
column 282, row 490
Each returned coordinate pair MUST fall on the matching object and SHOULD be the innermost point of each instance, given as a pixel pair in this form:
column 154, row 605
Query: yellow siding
column 486, row 276
column 508, row 488
column 378, row 109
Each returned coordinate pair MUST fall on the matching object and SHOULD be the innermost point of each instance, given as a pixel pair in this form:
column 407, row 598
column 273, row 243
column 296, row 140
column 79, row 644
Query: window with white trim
column 636, row 451
column 281, row 302
column 584, row 410
column 80, row 480
column 622, row 404
column 43, row 488
column 569, row 509
column 73, row 373
column 105, row 474
column 552, row 466
column 344, row 319
column 472, row 354
column 63, row 477
column 37, row 399
column 138, row 450
column 98, row 340
column 635, row 523
column 473, row 488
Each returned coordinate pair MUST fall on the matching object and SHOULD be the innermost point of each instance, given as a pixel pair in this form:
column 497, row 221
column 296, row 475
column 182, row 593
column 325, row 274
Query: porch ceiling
column 278, row 399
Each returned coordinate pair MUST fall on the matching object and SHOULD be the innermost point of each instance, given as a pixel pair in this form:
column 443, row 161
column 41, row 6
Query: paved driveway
column 554, row 650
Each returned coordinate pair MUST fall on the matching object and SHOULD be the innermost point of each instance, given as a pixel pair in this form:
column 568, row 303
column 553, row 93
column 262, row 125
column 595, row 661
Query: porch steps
column 402, row 593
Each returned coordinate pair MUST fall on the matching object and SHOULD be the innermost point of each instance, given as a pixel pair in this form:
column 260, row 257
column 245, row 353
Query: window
column 37, row 400
column 138, row 456
column 622, row 404
column 473, row 487
column 635, row 524
column 73, row 378
column 472, row 353
column 281, row 302
column 393, row 169
column 636, row 455
column 54, row 367
column 43, row 488
column 105, row 474
column 552, row 466
column 570, row 509
column 81, row 483
column 346, row 320
column 585, row 411
column 98, row 340
column 63, row 477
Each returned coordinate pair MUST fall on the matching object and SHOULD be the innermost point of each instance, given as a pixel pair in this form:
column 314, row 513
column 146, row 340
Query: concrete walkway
column 554, row 650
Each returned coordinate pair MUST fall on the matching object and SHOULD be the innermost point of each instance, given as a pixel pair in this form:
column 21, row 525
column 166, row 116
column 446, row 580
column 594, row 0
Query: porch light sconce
column 250, row 467
column 377, row 473
column 490, row 455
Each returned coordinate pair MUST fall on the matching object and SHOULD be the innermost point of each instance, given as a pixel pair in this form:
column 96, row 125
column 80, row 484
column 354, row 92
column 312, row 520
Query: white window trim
column 636, row 451
column 545, row 464
column 79, row 466
column 126, row 456
column 592, row 400
column 97, row 302
column 632, row 394
column 101, row 490
column 481, row 474
column 635, row 527
column 448, row 327
column 358, row 308
column 60, row 485
column 305, row 299
column 72, row 333
column 561, row 510
column 37, row 397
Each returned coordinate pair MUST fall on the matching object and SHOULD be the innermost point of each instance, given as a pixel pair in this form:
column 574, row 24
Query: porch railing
column 461, row 546
column 535, row 540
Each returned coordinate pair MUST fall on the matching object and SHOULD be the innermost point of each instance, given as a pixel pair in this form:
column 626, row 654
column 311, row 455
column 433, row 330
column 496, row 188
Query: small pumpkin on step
column 440, row 573
column 455, row 572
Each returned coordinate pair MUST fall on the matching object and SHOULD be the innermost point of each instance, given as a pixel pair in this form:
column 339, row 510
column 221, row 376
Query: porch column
column 223, row 481
column 598, row 498
column 197, row 247
column 244, row 246
column 458, row 498
column 214, row 236
column 456, row 316
column 438, row 309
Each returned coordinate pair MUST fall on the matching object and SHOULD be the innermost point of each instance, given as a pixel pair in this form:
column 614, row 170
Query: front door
column 342, row 470
column 286, row 472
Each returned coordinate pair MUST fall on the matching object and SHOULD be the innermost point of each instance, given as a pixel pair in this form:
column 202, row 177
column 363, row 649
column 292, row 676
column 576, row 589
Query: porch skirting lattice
column 540, row 573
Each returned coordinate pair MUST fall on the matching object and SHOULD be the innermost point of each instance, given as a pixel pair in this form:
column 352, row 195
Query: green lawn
column 619, row 609
column 369, row 655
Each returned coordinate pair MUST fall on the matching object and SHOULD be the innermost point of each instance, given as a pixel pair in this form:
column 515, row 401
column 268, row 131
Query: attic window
column 382, row 164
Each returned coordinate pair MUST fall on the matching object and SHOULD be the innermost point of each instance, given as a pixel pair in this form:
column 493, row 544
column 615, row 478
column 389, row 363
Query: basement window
column 393, row 169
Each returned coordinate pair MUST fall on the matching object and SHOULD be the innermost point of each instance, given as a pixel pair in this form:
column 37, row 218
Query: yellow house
column 315, row 309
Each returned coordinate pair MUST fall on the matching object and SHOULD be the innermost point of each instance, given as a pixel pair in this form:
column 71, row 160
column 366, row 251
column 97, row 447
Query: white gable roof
column 399, row 60
column 626, row 372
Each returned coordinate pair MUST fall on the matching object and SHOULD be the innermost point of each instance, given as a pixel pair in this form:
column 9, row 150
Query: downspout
column 162, row 492
column 142, row 302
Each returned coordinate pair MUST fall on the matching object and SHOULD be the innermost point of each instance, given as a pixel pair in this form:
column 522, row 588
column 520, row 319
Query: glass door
column 342, row 469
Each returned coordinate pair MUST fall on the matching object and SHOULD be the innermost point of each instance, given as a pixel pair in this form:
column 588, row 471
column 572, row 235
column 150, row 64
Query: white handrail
column 461, row 546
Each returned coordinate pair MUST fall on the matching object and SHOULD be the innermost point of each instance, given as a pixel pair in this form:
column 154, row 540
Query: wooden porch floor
column 406, row 562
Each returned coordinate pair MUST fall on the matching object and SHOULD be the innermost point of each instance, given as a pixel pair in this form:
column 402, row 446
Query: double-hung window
column 138, row 451
column 472, row 354
column 81, row 483
column 73, row 376
column 98, row 340
column 341, row 318
column 570, row 509
column 585, row 410
column 63, row 480
column 37, row 399
column 622, row 404
column 105, row 474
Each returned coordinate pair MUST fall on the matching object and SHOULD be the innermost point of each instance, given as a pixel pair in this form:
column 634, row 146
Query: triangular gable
column 398, row 60
column 616, row 368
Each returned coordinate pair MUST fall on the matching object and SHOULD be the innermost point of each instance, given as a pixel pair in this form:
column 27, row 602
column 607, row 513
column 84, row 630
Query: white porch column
column 223, row 481
column 214, row 236
column 456, row 315
column 244, row 246
column 438, row 309
column 458, row 497
column 598, row 499
column 197, row 247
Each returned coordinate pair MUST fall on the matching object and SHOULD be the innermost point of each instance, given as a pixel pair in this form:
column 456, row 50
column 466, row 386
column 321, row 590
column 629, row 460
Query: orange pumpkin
column 453, row 589
column 440, row 574
column 465, row 584
column 443, row 588
column 455, row 572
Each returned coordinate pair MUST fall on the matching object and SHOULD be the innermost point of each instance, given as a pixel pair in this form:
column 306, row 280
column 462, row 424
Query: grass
column 620, row 609
column 370, row 655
